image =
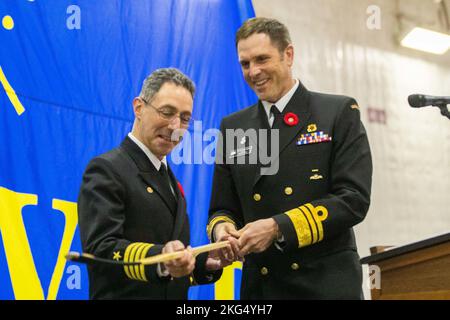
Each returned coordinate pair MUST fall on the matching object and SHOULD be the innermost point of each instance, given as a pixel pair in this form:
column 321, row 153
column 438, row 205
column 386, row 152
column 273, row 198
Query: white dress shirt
column 280, row 104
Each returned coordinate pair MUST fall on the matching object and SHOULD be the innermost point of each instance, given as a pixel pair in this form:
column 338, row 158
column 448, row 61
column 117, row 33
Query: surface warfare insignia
column 314, row 137
column 240, row 152
column 316, row 175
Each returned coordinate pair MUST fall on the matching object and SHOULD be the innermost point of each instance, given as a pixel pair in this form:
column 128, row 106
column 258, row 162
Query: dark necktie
column 276, row 124
column 163, row 172
column 277, row 116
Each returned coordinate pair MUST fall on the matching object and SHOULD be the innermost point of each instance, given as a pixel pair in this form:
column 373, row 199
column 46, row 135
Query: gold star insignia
column 312, row 128
column 117, row 256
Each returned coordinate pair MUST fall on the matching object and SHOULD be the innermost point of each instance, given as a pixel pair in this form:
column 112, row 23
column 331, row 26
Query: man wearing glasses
column 130, row 205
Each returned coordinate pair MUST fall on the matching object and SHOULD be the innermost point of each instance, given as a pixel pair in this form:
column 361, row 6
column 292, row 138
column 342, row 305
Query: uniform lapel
column 181, row 208
column 261, row 123
column 148, row 173
column 299, row 105
column 154, row 179
column 257, row 121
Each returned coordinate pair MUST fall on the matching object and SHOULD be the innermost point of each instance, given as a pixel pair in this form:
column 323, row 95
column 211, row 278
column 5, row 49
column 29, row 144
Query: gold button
column 264, row 271
column 149, row 190
column 288, row 191
column 295, row 266
column 257, row 197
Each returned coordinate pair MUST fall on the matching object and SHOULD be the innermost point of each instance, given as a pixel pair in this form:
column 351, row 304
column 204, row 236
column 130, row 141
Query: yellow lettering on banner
column 24, row 277
column 69, row 209
column 11, row 93
column 224, row 288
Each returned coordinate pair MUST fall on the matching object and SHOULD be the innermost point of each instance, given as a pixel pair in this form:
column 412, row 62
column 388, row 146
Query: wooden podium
column 418, row 271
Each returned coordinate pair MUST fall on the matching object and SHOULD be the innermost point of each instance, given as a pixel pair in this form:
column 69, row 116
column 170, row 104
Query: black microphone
column 420, row 100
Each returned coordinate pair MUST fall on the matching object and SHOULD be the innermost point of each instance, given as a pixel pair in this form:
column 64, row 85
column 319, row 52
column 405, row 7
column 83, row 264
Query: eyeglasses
column 170, row 114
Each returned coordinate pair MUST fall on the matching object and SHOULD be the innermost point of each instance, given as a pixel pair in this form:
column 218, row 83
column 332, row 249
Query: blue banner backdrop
column 69, row 71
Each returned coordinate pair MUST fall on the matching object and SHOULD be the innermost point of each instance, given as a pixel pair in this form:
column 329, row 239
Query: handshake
column 254, row 237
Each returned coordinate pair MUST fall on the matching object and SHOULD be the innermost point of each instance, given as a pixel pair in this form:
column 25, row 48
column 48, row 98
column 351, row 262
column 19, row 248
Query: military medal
column 314, row 137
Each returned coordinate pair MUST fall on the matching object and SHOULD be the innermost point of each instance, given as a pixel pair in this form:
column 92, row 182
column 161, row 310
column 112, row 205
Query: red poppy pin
column 291, row 119
column 181, row 189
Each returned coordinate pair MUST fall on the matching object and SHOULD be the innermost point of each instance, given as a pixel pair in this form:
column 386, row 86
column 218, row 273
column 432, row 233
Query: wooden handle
column 164, row 257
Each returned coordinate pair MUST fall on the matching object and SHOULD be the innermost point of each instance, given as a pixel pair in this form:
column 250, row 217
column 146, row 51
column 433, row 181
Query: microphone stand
column 444, row 110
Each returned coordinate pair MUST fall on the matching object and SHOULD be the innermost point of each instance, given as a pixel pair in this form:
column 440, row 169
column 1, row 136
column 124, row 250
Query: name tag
column 240, row 152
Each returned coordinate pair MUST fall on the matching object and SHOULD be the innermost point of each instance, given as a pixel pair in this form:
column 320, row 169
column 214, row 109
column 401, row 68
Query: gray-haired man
column 130, row 205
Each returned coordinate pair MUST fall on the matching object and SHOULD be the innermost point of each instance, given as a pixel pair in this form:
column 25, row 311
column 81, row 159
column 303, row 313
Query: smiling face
column 266, row 69
column 154, row 131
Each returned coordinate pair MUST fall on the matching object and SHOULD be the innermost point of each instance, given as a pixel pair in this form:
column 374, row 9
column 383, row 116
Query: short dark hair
column 278, row 33
column 153, row 83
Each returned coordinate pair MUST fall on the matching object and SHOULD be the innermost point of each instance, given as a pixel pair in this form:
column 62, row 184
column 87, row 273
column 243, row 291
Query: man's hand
column 257, row 236
column 227, row 231
column 215, row 262
column 182, row 266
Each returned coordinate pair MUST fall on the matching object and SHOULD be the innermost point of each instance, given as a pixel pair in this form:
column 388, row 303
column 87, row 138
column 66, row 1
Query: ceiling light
column 427, row 40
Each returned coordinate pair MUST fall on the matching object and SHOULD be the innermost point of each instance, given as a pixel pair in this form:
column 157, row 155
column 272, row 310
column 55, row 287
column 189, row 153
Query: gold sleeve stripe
column 140, row 269
column 318, row 218
column 133, row 253
column 318, row 222
column 143, row 255
column 137, row 257
column 126, row 258
column 214, row 221
column 307, row 221
column 312, row 224
column 301, row 226
column 310, row 239
column 132, row 259
column 310, row 209
column 321, row 217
